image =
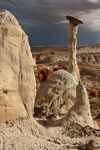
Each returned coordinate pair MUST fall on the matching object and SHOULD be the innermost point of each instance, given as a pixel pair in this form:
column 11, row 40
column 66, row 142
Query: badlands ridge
column 64, row 119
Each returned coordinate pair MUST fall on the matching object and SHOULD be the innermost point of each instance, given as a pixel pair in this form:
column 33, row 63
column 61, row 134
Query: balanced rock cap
column 74, row 20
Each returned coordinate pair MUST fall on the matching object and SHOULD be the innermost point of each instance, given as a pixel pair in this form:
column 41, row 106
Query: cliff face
column 17, row 80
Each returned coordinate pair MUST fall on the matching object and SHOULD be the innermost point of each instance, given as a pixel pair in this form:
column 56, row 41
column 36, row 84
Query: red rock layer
column 42, row 73
column 39, row 56
column 93, row 92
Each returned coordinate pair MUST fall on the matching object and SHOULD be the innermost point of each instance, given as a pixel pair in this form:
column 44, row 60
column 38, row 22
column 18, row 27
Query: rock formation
column 80, row 112
column 17, row 80
column 93, row 92
column 97, row 119
column 42, row 73
column 40, row 56
column 82, row 56
column 72, row 42
column 57, row 95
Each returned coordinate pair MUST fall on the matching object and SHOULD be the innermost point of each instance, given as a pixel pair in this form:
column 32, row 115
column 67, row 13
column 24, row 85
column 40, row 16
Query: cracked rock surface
column 17, row 81
column 57, row 95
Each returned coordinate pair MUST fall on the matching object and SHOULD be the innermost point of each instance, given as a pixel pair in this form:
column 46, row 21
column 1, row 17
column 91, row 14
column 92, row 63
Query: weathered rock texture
column 42, row 73
column 57, row 95
column 97, row 119
column 72, row 42
column 17, row 80
column 80, row 112
column 32, row 136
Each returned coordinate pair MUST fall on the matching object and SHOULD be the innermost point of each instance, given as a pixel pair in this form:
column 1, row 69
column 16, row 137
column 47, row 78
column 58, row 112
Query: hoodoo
column 80, row 112
column 72, row 42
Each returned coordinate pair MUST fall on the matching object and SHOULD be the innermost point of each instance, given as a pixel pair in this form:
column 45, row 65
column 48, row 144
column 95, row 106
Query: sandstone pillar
column 72, row 42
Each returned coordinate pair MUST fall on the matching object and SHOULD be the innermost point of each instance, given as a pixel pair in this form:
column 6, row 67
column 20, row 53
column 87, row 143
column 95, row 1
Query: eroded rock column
column 72, row 42
column 79, row 113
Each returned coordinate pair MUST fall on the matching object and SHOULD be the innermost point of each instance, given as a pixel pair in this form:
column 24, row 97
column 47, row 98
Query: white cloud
column 92, row 20
column 41, row 12
column 93, row 1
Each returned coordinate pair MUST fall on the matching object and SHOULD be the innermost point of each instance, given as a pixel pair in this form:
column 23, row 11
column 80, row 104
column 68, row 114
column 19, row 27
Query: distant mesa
column 39, row 56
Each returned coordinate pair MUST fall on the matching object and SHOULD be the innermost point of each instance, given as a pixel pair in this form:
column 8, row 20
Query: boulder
column 17, row 80
column 42, row 73
column 59, row 90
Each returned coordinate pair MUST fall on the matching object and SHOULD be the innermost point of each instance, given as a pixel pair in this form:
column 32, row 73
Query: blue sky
column 45, row 22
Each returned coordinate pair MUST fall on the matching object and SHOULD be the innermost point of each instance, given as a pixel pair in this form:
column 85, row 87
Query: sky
column 45, row 23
